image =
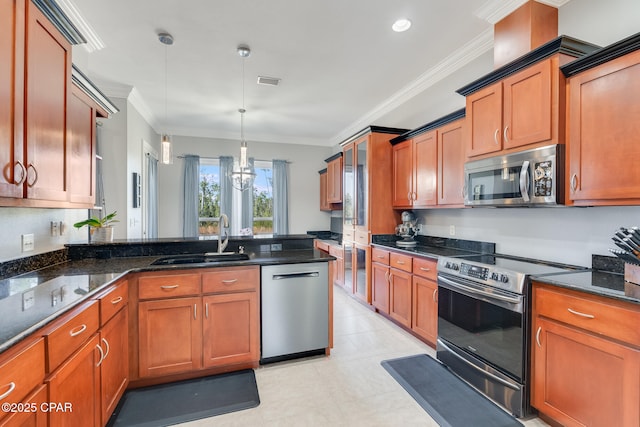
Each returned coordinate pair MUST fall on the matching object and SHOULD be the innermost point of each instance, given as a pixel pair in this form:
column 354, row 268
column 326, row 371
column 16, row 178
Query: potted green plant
column 100, row 229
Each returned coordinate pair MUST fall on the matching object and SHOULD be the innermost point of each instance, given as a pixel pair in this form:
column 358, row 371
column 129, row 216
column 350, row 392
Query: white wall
column 304, row 189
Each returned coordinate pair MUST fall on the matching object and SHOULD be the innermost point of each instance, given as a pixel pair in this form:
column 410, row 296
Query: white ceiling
column 341, row 65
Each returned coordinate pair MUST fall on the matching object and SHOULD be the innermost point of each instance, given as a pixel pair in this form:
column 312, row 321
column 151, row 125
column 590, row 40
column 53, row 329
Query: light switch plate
column 27, row 242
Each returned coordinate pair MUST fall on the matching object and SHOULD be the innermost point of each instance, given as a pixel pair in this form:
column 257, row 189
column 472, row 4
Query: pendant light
column 242, row 176
column 166, row 149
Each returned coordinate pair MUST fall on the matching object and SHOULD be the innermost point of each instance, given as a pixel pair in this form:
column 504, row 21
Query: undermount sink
column 201, row 258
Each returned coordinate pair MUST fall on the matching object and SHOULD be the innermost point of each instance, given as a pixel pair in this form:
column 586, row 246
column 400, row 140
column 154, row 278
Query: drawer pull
column 229, row 281
column 116, row 300
column 425, row 269
column 12, row 386
column 577, row 313
column 380, row 256
column 400, row 262
column 101, row 355
column 538, row 336
column 78, row 331
column 169, row 287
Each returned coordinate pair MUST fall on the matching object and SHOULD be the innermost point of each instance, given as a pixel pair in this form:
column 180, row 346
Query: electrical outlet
column 276, row 247
column 27, row 242
column 452, row 230
column 28, row 300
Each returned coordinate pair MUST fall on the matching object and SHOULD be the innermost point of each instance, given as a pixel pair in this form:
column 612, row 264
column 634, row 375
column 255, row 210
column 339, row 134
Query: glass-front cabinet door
column 348, row 190
column 361, row 183
column 361, row 261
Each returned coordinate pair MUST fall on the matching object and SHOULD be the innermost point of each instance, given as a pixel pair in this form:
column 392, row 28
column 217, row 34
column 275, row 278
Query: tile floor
column 349, row 388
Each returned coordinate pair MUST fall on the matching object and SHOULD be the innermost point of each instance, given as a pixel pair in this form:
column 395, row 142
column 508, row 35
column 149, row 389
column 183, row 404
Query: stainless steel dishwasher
column 294, row 310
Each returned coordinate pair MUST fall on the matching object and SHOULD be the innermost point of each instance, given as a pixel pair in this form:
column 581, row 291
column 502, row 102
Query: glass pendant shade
column 166, row 150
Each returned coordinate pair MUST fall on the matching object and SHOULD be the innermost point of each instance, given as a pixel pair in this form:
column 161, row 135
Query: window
column 209, row 197
column 260, row 203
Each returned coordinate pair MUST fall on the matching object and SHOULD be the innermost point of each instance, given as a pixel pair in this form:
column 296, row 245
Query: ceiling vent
column 269, row 81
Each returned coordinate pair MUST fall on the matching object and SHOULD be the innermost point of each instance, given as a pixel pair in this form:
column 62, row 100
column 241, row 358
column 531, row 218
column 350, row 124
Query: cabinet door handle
column 101, row 355
column 106, row 344
column 577, row 313
column 229, row 281
column 409, row 196
column 116, row 300
column 390, row 278
column 23, row 175
column 435, row 295
column 415, row 196
column 80, row 329
column 12, row 386
column 538, row 336
column 35, row 178
column 168, row 287
column 495, row 136
column 195, row 311
column 386, row 276
column 574, row 182
column 206, row 311
column 506, row 138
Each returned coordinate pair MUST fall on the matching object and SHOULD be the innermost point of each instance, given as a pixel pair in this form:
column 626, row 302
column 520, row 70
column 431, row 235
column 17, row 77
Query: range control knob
column 495, row 276
column 455, row 267
column 504, row 278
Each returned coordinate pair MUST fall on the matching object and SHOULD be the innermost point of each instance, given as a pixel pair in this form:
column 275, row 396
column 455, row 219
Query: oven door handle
column 482, row 371
column 479, row 292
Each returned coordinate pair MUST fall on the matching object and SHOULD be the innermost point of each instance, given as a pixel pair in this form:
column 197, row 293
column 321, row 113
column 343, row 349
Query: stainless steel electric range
column 484, row 324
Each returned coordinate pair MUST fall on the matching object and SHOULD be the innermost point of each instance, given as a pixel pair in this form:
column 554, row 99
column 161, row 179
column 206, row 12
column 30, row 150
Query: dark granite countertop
column 596, row 282
column 60, row 287
column 425, row 250
column 434, row 247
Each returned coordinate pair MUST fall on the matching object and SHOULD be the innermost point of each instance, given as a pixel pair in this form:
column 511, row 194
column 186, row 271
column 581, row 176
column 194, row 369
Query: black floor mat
column 448, row 399
column 188, row 400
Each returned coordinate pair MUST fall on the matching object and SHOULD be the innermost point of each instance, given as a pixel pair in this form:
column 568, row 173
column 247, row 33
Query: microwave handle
column 524, row 181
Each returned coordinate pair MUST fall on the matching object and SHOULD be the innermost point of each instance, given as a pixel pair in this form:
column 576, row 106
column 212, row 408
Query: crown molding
column 494, row 11
column 94, row 42
column 458, row 59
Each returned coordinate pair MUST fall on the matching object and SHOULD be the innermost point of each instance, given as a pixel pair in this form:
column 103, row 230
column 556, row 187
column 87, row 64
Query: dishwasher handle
column 284, row 276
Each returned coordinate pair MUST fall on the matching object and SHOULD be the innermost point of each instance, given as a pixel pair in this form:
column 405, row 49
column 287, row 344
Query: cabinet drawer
column 112, row 301
column 380, row 255
column 68, row 334
column 425, row 267
column 168, row 286
column 336, row 251
column 401, row 262
column 322, row 246
column 347, row 235
column 231, row 279
column 21, row 372
column 362, row 237
column 590, row 313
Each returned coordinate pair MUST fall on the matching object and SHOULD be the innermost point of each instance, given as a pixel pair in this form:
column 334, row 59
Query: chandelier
column 242, row 175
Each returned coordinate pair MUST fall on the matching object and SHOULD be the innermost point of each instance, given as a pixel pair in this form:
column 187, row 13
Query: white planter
column 102, row 234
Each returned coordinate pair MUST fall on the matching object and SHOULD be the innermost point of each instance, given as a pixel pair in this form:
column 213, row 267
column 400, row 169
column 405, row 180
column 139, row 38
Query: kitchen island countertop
column 72, row 282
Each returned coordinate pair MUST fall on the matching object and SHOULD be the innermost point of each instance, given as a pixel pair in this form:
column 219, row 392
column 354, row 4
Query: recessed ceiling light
column 401, row 25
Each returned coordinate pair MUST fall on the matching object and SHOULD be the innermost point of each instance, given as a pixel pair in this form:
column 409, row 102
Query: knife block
column 632, row 273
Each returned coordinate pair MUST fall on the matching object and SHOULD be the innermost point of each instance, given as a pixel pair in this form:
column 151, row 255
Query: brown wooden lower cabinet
column 36, row 416
column 425, row 308
column 76, row 383
column 380, row 287
column 230, row 329
column 400, row 296
column 580, row 377
column 170, row 336
column 114, row 367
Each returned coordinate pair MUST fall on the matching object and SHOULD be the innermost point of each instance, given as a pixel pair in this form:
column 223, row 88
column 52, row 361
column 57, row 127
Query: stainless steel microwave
column 526, row 178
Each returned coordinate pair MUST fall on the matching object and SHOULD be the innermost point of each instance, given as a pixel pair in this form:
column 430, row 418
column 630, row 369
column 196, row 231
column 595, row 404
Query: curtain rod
column 218, row 158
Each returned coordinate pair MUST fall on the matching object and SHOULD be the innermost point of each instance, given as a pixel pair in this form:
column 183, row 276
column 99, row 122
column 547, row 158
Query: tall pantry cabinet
column 367, row 202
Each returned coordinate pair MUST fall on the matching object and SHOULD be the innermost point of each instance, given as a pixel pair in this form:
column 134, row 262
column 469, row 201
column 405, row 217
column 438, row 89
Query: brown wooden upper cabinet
column 428, row 168
column 521, row 105
column 47, row 126
column 515, row 112
column 334, row 179
column 604, row 130
column 324, row 204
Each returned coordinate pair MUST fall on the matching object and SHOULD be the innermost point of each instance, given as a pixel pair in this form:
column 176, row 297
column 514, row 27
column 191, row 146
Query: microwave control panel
column 543, row 179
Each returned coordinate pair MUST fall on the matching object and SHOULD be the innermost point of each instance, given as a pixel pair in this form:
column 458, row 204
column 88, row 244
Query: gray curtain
column 152, row 197
column 191, row 191
column 247, row 202
column 226, row 189
column 280, row 197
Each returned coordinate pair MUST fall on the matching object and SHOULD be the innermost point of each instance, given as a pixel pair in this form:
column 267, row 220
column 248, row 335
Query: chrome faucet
column 223, row 223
